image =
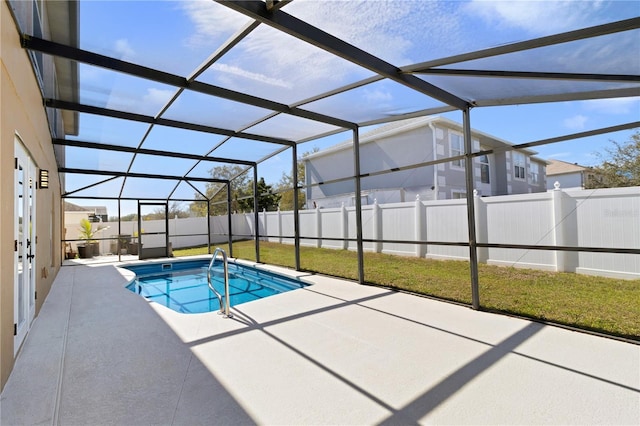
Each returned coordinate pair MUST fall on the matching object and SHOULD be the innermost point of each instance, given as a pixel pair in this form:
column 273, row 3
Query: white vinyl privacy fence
column 602, row 218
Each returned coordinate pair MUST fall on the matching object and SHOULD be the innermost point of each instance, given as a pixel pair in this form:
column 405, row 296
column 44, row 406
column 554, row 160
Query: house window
column 519, row 165
column 458, row 195
column 484, row 169
column 456, row 144
column 535, row 173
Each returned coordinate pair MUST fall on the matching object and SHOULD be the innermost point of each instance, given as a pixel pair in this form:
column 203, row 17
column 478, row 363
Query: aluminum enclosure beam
column 145, row 151
column 135, row 175
column 531, row 75
column 566, row 37
column 256, row 213
column 471, row 214
column 89, row 109
column 83, row 56
column 297, row 28
column 358, row 200
column 559, row 97
column 296, row 218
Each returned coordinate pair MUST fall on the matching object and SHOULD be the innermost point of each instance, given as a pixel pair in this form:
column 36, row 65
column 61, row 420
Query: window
column 484, row 169
column 456, row 145
column 535, row 173
column 519, row 165
column 458, row 195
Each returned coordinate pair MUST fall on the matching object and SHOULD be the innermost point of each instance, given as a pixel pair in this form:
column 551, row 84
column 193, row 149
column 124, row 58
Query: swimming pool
column 182, row 285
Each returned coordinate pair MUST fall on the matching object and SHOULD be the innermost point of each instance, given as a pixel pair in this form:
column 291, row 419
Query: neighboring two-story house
column 402, row 147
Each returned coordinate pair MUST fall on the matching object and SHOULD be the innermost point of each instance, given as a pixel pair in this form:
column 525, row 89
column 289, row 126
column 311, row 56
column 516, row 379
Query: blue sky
column 178, row 36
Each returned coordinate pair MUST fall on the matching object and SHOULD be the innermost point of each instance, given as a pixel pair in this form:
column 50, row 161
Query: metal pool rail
column 223, row 310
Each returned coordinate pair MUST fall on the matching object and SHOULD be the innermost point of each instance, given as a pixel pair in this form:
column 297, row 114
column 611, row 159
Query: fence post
column 482, row 233
column 318, row 228
column 558, row 226
column 344, row 226
column 419, row 229
column 377, row 226
column 279, row 223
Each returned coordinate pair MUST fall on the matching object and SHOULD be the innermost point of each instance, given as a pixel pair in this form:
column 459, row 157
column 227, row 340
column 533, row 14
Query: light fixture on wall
column 44, row 178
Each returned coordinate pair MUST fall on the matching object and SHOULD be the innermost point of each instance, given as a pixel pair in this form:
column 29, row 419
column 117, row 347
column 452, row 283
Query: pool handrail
column 223, row 310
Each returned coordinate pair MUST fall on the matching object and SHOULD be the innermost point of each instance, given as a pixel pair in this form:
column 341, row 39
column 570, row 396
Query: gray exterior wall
column 566, row 180
column 399, row 148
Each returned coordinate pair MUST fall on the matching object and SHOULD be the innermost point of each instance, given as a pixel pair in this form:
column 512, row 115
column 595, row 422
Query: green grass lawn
column 605, row 305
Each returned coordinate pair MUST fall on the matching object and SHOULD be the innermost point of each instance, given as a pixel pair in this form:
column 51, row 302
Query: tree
column 217, row 193
column 285, row 185
column 267, row 199
column 175, row 208
column 241, row 193
column 620, row 167
column 131, row 217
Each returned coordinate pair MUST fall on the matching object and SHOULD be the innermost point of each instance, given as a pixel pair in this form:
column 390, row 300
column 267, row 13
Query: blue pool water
column 182, row 286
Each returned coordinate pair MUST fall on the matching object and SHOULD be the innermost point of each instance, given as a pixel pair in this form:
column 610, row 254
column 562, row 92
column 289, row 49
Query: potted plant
column 87, row 233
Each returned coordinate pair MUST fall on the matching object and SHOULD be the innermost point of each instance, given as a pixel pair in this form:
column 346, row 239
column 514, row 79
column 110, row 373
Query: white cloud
column 536, row 17
column 576, row 122
column 157, row 97
column 124, row 49
column 251, row 75
column 90, row 73
column 617, row 106
column 377, row 95
column 559, row 155
column 390, row 30
column 211, row 20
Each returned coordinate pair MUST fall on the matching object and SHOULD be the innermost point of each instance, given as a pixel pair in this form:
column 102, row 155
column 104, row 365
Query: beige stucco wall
column 22, row 113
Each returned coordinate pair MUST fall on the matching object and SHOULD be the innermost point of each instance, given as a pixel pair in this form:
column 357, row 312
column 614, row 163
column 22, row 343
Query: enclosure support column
column 296, row 219
column 256, row 216
column 119, row 232
column 356, row 167
column 471, row 216
column 166, row 229
column 139, row 231
column 230, row 233
column 208, row 226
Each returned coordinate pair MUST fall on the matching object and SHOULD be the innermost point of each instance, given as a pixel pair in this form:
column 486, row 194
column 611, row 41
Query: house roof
column 402, row 126
column 70, row 207
column 557, row 167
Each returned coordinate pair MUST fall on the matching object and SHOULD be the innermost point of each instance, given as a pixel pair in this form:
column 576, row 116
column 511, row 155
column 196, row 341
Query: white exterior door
column 24, row 247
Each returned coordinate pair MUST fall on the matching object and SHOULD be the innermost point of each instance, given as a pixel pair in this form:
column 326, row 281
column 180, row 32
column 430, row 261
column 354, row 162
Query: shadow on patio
column 332, row 353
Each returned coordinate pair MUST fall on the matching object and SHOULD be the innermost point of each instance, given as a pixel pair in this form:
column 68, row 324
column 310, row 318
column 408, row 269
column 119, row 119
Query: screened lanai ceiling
column 163, row 92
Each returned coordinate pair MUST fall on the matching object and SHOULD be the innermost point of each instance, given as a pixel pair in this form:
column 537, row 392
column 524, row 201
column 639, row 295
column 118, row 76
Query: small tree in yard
column 285, row 186
column 620, row 167
column 267, row 199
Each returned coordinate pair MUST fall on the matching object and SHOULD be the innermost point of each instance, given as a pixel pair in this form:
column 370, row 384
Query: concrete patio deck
column 332, row 353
